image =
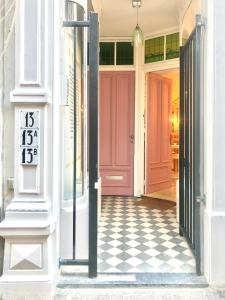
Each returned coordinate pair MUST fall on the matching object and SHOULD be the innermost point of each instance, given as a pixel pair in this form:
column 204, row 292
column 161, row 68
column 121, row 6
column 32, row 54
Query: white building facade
column 36, row 223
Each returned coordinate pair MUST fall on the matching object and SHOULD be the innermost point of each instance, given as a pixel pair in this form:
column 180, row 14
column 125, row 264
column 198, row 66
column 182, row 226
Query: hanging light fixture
column 137, row 37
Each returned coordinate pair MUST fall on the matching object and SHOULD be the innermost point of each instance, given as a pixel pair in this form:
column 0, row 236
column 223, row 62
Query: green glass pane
column 106, row 53
column 154, row 49
column 124, row 53
column 172, row 46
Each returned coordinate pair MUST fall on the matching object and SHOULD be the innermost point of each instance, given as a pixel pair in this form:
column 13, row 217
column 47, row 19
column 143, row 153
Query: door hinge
column 201, row 199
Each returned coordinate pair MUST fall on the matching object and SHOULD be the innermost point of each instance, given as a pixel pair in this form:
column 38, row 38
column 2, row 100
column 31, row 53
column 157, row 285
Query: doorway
column 132, row 237
column 162, row 135
column 135, row 236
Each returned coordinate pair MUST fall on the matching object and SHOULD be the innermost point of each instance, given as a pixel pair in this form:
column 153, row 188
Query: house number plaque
column 29, row 137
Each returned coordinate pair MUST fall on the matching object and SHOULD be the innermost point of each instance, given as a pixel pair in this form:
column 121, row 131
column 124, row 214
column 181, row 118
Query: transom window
column 116, row 53
column 154, row 49
column 162, row 48
column 172, row 46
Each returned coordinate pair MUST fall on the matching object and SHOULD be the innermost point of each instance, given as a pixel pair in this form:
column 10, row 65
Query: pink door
column 117, row 132
column 158, row 158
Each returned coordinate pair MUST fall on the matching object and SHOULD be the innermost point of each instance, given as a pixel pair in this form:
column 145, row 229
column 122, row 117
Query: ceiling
column 118, row 17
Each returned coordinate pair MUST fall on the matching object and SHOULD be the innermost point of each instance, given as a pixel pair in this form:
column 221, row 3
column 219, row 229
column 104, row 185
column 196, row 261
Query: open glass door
column 80, row 131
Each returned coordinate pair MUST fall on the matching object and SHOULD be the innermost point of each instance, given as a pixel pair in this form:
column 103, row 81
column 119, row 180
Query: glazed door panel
column 158, row 158
column 117, row 132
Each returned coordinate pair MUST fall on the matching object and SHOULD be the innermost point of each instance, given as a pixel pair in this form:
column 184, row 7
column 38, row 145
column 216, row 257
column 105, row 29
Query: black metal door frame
column 93, row 57
column 191, row 143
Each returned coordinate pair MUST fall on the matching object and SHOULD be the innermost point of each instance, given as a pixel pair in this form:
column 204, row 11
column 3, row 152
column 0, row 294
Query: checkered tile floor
column 137, row 239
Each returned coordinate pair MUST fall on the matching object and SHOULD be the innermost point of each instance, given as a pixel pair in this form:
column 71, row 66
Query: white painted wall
column 215, row 140
column 28, row 80
column 7, row 111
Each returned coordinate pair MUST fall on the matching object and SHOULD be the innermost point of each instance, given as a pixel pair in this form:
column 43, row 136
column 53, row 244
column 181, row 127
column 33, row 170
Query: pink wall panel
column 123, row 119
column 166, row 123
column 154, row 115
column 106, row 121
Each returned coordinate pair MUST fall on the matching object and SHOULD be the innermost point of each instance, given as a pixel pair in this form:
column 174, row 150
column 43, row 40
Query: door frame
column 140, row 110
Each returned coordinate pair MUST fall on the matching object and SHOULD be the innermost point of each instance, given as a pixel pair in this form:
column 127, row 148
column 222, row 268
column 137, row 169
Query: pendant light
column 137, row 37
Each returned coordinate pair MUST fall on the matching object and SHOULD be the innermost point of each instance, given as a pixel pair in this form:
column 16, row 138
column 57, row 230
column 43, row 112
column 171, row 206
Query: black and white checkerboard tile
column 137, row 239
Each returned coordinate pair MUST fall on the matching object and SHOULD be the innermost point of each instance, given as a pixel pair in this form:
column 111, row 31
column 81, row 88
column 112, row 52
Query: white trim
column 147, row 68
column 153, row 34
column 139, row 122
column 162, row 65
column 115, row 39
column 117, row 68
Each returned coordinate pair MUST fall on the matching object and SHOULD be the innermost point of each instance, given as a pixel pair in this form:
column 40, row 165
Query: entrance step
column 137, row 280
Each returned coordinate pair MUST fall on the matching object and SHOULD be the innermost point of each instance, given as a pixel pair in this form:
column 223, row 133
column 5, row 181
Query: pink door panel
column 116, row 132
column 158, row 158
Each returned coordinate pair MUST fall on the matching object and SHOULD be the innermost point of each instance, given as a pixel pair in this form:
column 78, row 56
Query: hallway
column 138, row 239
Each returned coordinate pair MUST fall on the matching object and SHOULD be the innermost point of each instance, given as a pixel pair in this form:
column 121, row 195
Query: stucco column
column 30, row 221
column 214, row 72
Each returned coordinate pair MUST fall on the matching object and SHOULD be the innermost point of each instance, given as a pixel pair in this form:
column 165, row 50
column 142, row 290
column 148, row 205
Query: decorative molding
column 26, row 257
column 116, row 68
column 148, row 35
column 166, row 31
column 30, row 95
column 162, row 65
column 28, row 206
column 31, row 42
column 33, row 52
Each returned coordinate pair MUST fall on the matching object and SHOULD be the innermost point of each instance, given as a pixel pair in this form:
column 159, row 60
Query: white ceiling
column 118, row 17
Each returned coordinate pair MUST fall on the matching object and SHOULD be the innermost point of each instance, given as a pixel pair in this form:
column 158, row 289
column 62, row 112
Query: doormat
column 155, row 203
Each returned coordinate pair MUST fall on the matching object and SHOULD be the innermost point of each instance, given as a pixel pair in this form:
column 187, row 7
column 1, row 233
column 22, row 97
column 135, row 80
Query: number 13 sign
column 29, row 137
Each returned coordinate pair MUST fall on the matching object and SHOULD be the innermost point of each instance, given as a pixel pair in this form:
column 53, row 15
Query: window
column 154, row 49
column 172, row 46
column 116, row 53
column 124, row 53
column 162, row 48
column 107, row 53
column 73, row 112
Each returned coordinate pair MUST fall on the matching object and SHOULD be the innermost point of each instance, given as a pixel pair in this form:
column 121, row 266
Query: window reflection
column 73, row 113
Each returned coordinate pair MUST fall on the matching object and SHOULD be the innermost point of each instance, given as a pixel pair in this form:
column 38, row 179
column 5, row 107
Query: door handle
column 132, row 138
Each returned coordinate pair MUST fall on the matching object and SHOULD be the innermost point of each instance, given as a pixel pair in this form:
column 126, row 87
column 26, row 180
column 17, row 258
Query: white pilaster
column 29, row 225
column 214, row 242
column 139, row 121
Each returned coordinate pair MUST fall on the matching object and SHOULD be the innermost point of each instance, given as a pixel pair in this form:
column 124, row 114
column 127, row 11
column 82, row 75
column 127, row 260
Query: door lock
column 132, row 138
